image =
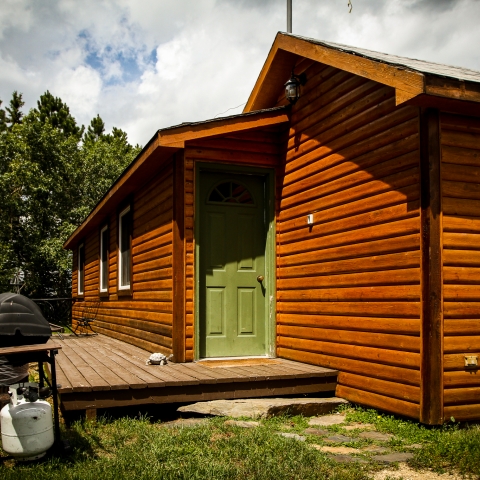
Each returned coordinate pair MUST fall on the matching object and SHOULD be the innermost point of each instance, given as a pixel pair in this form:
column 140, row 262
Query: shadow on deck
column 101, row 372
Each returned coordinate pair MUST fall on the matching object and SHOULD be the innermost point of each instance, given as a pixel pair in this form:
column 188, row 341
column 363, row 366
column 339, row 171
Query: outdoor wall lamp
column 292, row 87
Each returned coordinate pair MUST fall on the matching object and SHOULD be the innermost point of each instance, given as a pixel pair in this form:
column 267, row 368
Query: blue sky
column 146, row 65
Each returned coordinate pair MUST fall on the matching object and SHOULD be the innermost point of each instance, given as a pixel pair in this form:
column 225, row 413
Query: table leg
column 41, row 375
column 56, row 418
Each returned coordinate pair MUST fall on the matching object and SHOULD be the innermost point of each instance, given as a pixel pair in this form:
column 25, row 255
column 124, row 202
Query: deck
column 102, row 372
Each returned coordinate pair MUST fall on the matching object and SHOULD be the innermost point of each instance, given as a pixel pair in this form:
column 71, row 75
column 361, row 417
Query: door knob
column 260, row 278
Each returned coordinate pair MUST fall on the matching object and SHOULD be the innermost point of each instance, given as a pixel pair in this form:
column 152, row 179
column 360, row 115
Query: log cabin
column 342, row 230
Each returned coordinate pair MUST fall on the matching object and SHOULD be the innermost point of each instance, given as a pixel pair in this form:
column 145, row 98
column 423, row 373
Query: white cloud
column 79, row 88
column 150, row 64
column 173, row 59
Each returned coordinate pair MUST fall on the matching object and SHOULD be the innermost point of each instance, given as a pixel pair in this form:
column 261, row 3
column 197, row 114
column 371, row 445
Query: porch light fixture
column 292, row 87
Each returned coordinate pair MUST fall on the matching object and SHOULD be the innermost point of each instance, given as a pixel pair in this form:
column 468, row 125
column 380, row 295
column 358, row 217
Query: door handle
column 260, row 278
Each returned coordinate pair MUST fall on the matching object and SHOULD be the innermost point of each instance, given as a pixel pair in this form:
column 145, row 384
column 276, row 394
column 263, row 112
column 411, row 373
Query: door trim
column 270, row 250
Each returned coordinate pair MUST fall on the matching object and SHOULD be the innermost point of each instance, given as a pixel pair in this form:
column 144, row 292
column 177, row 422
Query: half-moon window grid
column 231, row 192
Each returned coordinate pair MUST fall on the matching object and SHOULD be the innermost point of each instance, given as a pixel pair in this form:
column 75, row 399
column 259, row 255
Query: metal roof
column 218, row 119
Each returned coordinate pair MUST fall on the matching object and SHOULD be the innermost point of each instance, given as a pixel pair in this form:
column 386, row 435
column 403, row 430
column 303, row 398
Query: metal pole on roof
column 289, row 16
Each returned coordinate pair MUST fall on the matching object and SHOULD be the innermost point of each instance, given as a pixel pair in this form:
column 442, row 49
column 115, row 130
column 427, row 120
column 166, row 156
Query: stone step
column 265, row 407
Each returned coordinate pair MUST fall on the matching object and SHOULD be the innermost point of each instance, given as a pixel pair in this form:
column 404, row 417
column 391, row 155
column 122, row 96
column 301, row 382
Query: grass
column 143, row 449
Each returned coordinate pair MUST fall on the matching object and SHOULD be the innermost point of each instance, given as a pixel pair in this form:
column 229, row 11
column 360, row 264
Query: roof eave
column 178, row 135
column 408, row 83
column 152, row 153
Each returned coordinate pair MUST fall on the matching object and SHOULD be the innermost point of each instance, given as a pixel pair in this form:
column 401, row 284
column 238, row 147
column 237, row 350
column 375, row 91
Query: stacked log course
column 349, row 294
column 144, row 316
column 460, row 173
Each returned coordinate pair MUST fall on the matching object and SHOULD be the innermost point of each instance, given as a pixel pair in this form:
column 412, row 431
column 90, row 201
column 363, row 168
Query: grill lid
column 21, row 321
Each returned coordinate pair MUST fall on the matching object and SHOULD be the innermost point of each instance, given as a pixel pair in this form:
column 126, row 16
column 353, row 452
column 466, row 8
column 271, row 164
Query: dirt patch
column 406, row 473
column 339, row 450
column 358, row 426
column 221, row 436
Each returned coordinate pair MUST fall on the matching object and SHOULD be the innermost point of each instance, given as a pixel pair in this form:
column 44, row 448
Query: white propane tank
column 27, row 427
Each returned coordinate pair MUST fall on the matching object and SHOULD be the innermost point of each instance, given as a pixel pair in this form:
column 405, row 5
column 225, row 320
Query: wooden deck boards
column 102, row 372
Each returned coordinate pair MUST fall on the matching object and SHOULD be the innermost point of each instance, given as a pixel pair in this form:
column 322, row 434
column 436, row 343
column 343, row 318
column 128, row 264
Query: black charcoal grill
column 21, row 321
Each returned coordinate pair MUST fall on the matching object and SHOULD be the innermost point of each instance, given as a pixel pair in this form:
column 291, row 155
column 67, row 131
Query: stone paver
column 415, row 446
column 379, row 437
column 242, row 423
column 339, row 439
column 392, row 458
column 327, row 420
column 294, row 436
column 375, row 449
column 265, row 407
column 347, row 459
column 316, row 431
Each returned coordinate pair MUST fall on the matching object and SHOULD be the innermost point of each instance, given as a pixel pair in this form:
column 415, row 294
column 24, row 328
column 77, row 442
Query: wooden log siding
column 460, row 139
column 143, row 319
column 256, row 147
column 349, row 287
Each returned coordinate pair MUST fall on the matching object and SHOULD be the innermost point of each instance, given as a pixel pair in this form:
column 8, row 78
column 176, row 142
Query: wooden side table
column 44, row 353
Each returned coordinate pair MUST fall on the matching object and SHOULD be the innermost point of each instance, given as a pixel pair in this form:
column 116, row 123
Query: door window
column 231, row 192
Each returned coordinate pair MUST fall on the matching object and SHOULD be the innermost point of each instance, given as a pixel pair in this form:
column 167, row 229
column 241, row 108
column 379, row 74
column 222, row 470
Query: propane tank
column 26, row 422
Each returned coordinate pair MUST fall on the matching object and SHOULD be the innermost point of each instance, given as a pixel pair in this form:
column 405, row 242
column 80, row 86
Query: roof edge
column 168, row 141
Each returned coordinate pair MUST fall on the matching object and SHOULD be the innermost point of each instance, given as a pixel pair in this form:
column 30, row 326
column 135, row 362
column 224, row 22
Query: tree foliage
column 95, row 130
column 3, row 119
column 51, row 109
column 49, row 182
column 14, row 110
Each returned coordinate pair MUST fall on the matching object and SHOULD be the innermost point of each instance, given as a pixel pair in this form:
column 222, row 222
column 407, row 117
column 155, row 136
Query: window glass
column 104, row 259
column 81, row 268
column 230, row 192
column 124, row 248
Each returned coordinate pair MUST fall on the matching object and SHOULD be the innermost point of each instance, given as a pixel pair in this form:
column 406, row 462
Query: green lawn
column 142, row 449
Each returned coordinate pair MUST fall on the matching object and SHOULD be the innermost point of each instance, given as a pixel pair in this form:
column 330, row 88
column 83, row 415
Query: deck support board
column 196, row 393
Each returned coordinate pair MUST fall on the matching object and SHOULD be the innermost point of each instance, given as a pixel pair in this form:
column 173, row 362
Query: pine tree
column 51, row 109
column 15, row 114
column 49, row 182
column 3, row 119
column 95, row 130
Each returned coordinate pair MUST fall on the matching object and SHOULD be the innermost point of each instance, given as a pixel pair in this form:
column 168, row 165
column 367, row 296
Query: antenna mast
column 289, row 16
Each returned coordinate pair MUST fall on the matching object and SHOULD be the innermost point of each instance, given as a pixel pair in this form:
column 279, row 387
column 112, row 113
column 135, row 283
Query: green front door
column 232, row 241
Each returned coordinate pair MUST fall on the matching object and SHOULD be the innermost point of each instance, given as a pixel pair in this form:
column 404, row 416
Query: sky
column 148, row 64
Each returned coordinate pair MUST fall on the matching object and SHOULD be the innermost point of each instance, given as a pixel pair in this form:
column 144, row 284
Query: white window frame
column 103, row 289
column 120, row 246
column 80, row 269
